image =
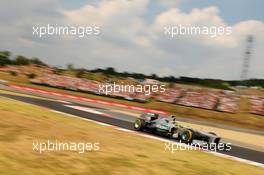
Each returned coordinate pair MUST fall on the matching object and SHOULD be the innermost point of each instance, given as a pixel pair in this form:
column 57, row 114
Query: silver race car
column 169, row 127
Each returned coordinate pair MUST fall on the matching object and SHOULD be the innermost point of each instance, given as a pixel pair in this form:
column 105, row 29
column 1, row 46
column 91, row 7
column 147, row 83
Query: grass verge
column 120, row 152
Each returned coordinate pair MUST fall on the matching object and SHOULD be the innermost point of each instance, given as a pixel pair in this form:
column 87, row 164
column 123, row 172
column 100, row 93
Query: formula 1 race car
column 169, row 127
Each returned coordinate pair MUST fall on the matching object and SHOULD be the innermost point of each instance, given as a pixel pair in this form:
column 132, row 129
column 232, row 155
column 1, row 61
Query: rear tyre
column 139, row 124
column 186, row 136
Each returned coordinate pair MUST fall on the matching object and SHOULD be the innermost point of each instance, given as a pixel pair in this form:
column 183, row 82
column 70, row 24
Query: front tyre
column 139, row 124
column 186, row 136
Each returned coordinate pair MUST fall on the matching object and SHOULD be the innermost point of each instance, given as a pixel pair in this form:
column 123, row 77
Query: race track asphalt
column 122, row 121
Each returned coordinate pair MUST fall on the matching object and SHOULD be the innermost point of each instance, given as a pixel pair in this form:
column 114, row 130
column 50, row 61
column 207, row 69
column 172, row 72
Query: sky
column 132, row 35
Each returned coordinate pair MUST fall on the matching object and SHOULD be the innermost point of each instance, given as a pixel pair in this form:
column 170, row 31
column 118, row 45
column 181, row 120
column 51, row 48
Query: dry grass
column 257, row 92
column 120, row 153
column 12, row 78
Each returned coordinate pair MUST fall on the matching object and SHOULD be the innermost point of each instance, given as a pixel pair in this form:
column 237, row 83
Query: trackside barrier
column 86, row 99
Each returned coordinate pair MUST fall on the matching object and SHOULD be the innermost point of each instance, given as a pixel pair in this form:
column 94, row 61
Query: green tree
column 80, row 73
column 154, row 76
column 21, row 60
column 110, row 70
column 70, row 66
column 4, row 58
column 37, row 62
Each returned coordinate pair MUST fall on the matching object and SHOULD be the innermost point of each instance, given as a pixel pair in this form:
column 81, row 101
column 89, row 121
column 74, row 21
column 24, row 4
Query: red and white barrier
column 87, row 99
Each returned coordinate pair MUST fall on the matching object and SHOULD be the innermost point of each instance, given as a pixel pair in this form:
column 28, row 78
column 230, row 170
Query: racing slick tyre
column 186, row 136
column 139, row 124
